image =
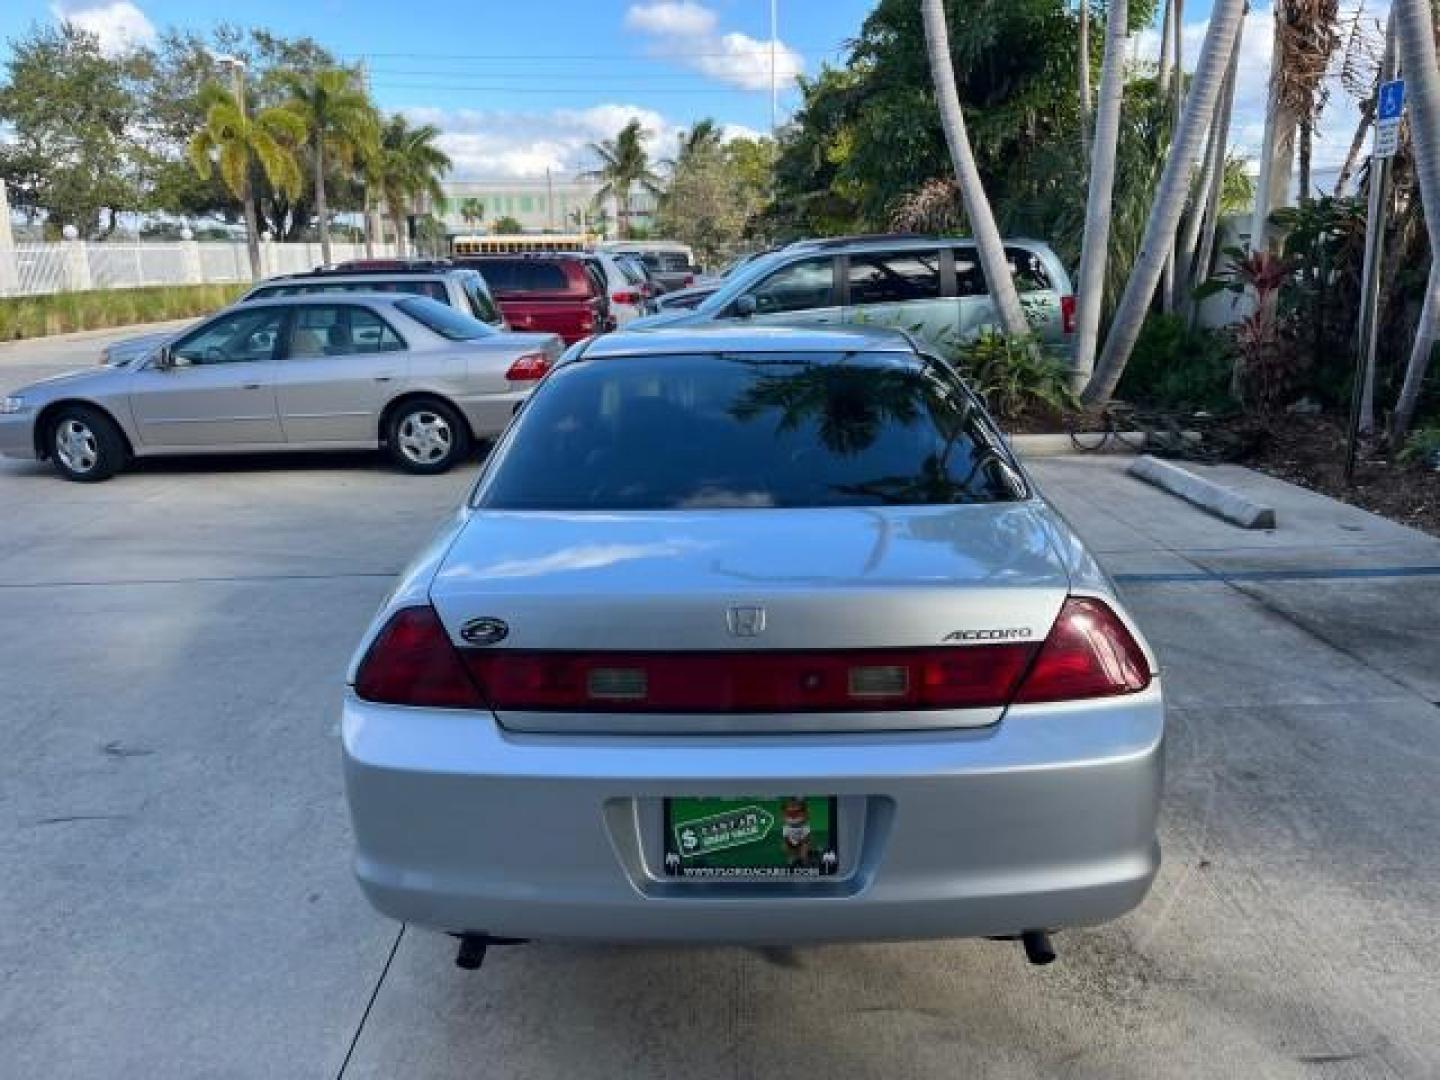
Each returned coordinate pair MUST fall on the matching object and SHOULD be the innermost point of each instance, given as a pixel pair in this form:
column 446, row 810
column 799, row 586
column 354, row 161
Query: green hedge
column 59, row 313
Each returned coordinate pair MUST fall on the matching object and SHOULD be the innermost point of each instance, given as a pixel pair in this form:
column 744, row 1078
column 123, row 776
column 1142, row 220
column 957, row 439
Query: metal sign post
column 1389, row 111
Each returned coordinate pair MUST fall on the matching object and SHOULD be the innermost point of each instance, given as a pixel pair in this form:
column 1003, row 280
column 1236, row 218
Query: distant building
column 540, row 206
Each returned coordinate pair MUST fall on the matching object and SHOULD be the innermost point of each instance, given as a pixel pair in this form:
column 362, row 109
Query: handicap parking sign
column 1392, row 100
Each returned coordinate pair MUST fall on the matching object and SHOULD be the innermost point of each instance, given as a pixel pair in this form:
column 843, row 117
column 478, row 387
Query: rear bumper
column 1043, row 821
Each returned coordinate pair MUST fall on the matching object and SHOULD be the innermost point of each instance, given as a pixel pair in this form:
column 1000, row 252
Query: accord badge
column 484, row 631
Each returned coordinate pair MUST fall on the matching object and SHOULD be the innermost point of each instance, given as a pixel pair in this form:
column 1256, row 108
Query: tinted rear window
column 748, row 431
column 523, row 275
column 445, row 321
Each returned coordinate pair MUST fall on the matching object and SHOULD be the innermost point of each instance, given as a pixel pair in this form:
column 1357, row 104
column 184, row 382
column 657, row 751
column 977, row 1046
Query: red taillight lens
column 982, row 676
column 1088, row 654
column 625, row 297
column 1067, row 314
column 528, row 368
column 689, row 280
column 412, row 662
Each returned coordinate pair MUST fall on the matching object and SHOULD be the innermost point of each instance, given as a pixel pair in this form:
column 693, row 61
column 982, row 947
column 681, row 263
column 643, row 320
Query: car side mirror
column 164, row 358
column 744, row 306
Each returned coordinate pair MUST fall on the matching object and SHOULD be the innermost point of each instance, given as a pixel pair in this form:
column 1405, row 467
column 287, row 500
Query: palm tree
column 341, row 125
column 1083, row 63
column 472, row 211
column 1415, row 36
column 967, row 177
column 623, row 165
column 1096, row 242
column 408, row 166
column 237, row 141
column 1225, row 16
column 703, row 138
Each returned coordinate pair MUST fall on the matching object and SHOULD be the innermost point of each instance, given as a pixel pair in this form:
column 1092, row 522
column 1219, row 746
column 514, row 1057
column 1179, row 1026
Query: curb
column 1209, row 496
column 1063, row 444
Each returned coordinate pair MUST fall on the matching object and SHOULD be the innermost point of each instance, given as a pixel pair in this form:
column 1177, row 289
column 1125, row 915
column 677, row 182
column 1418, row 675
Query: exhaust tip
column 1038, row 948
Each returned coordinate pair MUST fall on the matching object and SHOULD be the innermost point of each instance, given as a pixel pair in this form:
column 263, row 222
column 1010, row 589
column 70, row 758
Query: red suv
column 555, row 293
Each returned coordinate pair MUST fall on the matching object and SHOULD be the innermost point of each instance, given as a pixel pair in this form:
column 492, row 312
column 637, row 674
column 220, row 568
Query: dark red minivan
column 555, row 293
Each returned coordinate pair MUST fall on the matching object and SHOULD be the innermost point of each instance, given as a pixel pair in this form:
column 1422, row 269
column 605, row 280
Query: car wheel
column 427, row 437
column 85, row 444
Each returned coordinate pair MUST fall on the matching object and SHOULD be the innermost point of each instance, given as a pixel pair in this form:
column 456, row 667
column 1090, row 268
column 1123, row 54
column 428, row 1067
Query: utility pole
column 774, row 84
column 1362, row 393
column 549, row 201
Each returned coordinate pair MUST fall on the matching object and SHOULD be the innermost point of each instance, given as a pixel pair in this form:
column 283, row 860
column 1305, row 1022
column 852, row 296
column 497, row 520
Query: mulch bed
column 1310, row 451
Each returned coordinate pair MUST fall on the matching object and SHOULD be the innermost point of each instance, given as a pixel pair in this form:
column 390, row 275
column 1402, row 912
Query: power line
column 473, row 88
column 760, row 49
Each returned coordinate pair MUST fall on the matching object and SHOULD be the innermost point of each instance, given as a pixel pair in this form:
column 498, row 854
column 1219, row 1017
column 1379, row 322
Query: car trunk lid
column 833, row 583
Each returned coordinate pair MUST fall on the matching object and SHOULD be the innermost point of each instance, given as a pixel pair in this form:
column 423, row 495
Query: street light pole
column 774, row 85
column 247, row 197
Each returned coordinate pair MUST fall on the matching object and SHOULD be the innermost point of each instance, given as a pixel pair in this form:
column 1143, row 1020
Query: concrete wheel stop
column 1207, row 495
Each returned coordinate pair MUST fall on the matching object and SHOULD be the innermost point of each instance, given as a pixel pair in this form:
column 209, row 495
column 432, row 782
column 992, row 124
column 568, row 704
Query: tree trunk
column 369, row 225
column 1277, row 153
column 1177, row 106
column 398, row 220
column 1199, row 265
column 252, row 231
column 1415, row 36
column 1090, row 287
column 1167, row 39
column 322, row 211
column 1207, row 191
column 1220, row 38
column 1306, row 143
column 1084, row 74
column 991, row 250
column 1352, row 156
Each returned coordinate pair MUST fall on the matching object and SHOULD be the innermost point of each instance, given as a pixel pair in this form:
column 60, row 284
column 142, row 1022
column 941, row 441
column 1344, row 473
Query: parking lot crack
column 370, row 1004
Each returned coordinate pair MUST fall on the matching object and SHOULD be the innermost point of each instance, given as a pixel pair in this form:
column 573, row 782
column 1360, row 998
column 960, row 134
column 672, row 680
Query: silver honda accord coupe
column 320, row 372
column 755, row 636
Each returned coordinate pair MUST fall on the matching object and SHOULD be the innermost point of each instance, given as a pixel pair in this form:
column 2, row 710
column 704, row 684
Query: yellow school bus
column 507, row 245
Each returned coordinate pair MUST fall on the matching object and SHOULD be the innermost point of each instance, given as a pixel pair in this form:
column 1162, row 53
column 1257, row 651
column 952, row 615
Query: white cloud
column 503, row 144
column 671, row 17
column 120, row 25
column 1247, row 121
column 685, row 31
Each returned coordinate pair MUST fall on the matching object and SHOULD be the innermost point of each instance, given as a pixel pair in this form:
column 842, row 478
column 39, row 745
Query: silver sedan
column 756, row 636
column 301, row 373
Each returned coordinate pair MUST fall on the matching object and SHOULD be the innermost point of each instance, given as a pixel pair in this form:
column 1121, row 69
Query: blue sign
column 1392, row 101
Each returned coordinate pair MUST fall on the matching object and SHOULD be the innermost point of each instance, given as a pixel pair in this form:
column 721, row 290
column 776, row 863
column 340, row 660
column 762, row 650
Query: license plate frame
column 751, row 838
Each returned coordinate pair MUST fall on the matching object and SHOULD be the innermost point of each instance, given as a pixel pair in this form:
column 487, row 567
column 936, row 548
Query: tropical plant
column 472, row 211
column 967, row 176
column 703, row 138
column 1015, row 375
column 341, row 127
column 234, row 141
column 507, row 226
column 1422, row 447
column 1160, row 227
column 408, row 166
column 1267, row 360
column 624, row 165
column 1177, row 367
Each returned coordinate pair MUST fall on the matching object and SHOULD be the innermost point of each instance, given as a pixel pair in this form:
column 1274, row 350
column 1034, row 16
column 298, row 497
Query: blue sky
column 519, row 88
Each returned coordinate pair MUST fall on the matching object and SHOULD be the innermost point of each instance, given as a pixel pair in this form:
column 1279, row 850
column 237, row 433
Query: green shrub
column 60, row 313
column 1015, row 375
column 1423, row 446
column 1174, row 367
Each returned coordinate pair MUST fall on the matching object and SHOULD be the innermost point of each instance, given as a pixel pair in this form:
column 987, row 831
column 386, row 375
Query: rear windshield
column 523, row 275
column 753, row 430
column 445, row 321
column 481, row 306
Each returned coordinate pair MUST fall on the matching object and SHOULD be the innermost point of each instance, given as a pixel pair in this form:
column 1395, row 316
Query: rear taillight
column 1089, row 653
column 689, row 280
column 625, row 298
column 412, row 662
column 1067, row 314
column 871, row 680
column 528, row 368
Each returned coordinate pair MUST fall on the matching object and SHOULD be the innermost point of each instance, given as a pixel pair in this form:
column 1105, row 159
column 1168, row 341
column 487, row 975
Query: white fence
column 74, row 265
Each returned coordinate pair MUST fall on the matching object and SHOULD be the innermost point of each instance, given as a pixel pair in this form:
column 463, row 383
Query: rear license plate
column 789, row 837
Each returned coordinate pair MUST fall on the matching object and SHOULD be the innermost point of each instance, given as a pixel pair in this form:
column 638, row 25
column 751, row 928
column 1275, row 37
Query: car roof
column 317, row 298
column 747, row 339
column 892, row 241
column 320, row 277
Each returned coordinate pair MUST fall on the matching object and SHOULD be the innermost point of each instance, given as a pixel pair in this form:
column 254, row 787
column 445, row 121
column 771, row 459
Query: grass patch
column 61, row 313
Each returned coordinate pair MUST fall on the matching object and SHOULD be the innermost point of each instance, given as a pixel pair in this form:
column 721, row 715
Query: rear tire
column 85, row 444
column 427, row 436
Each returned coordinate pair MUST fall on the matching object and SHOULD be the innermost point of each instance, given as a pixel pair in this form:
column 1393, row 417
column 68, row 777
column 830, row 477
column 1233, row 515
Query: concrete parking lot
column 176, row 901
